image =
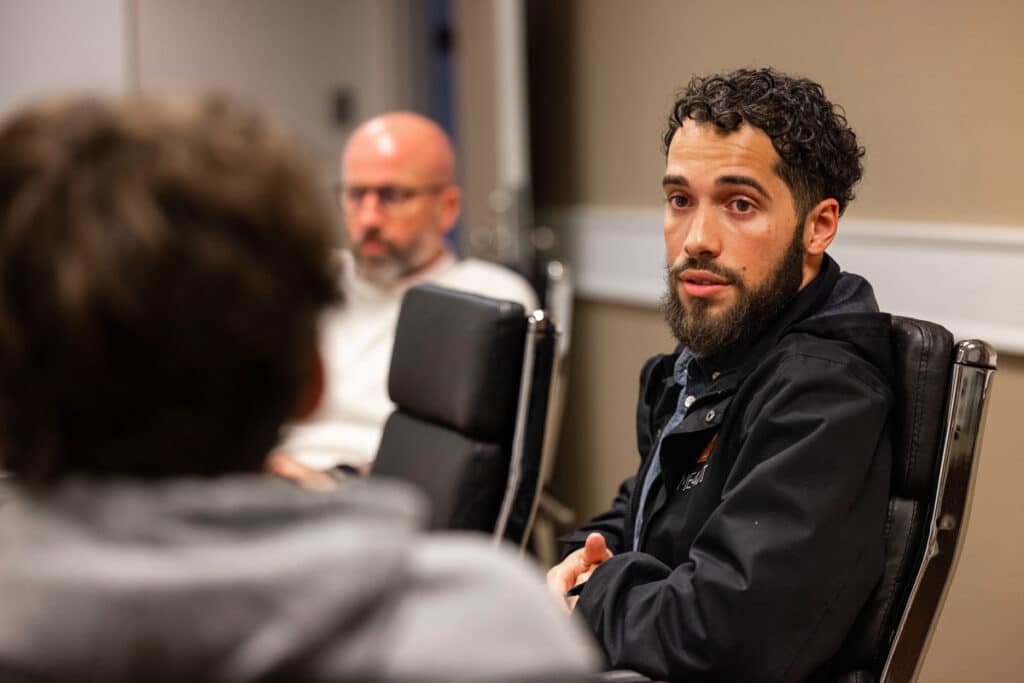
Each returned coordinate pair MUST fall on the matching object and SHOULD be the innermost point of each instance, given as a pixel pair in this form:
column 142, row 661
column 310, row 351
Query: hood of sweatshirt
column 224, row 579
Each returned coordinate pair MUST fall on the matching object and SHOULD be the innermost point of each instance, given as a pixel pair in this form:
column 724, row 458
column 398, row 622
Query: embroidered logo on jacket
column 697, row 476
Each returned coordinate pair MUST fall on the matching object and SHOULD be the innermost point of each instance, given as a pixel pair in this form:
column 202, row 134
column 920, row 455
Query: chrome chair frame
column 539, row 325
column 973, row 366
column 547, row 513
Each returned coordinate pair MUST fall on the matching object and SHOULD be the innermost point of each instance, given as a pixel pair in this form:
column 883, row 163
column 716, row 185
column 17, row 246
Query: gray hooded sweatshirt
column 249, row 578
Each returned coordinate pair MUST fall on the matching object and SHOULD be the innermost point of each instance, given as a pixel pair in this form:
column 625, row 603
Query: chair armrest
column 622, row 676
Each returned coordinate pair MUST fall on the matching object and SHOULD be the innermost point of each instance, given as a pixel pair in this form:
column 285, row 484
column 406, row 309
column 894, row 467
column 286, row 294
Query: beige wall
column 598, row 445
column 934, row 91
column 933, row 88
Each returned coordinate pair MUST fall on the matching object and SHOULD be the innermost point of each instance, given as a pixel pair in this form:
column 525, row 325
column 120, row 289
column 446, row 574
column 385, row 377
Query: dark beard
column 705, row 335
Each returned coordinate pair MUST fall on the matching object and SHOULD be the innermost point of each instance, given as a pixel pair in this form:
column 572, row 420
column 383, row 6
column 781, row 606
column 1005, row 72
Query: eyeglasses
column 388, row 196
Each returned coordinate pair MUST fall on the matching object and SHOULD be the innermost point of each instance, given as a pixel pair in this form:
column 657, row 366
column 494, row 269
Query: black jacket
column 764, row 533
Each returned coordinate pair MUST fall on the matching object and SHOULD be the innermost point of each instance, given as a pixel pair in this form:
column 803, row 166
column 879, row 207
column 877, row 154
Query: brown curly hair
column 162, row 271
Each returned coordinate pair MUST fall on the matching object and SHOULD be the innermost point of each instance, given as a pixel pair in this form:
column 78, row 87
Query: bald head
column 412, row 141
column 400, row 198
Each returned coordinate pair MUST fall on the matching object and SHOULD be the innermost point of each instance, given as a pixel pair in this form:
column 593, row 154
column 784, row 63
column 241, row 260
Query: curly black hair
column 819, row 153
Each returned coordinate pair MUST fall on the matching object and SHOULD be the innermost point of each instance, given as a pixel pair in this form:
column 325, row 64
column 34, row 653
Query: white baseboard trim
column 969, row 278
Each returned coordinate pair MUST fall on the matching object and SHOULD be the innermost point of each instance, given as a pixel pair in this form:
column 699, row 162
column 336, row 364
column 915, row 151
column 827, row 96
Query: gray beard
column 707, row 335
column 384, row 273
column 387, row 271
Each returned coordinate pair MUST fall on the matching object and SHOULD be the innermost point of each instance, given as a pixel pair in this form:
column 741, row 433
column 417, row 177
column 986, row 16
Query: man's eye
column 678, row 202
column 387, row 194
column 742, row 205
column 354, row 194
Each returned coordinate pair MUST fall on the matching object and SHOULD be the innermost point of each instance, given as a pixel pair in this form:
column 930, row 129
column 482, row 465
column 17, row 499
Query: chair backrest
column 941, row 397
column 463, row 377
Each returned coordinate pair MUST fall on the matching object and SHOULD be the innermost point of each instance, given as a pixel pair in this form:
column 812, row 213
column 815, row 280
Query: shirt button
column 710, row 416
column 715, row 375
column 689, row 401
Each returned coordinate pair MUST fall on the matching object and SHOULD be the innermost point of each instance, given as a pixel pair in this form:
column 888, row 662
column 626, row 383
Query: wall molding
column 969, row 278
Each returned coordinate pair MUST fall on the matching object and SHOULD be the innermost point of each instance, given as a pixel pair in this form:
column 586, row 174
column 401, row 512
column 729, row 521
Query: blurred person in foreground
column 162, row 272
column 399, row 199
column 753, row 532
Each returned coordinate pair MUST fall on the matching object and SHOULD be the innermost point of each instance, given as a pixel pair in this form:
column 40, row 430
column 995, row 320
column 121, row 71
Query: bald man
column 399, row 199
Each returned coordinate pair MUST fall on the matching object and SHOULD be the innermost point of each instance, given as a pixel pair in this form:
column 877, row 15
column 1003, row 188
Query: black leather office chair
column 470, row 377
column 941, row 395
column 942, row 390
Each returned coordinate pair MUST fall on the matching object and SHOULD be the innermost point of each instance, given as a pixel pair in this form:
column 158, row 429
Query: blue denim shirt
column 688, row 375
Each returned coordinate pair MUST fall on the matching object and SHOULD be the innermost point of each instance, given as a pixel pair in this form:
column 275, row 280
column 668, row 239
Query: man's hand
column 576, row 569
column 281, row 464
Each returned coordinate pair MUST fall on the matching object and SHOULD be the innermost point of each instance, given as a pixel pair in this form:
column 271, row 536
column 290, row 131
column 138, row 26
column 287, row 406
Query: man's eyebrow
column 743, row 180
column 674, row 180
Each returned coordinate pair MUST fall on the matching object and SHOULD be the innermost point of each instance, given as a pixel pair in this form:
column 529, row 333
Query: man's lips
column 702, row 284
column 373, row 248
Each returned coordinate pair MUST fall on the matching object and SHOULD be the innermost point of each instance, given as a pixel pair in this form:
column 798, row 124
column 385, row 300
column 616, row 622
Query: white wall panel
column 968, row 278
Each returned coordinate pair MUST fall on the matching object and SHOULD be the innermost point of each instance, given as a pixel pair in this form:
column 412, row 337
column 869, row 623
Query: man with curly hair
column 752, row 534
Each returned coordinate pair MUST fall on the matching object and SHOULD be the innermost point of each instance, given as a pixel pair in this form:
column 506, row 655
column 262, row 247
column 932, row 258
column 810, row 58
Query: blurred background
column 557, row 110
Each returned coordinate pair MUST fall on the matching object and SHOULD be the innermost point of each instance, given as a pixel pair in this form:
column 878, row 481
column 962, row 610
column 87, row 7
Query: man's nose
column 703, row 238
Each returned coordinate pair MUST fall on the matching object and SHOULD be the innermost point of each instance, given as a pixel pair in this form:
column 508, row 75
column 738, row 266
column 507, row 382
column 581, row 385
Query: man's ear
column 451, row 207
column 820, row 226
column 312, row 393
